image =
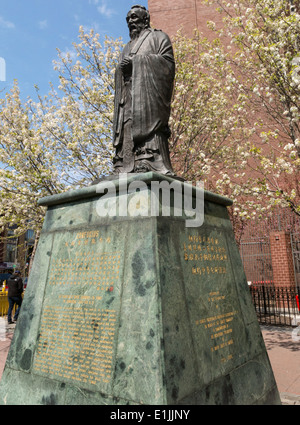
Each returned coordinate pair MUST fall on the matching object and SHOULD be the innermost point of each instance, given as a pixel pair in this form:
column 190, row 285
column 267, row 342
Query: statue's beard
column 135, row 30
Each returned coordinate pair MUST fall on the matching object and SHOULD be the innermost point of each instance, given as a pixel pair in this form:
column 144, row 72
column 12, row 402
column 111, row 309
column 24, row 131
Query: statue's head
column 138, row 18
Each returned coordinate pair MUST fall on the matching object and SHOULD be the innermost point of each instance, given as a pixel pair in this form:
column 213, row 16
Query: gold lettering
column 61, row 349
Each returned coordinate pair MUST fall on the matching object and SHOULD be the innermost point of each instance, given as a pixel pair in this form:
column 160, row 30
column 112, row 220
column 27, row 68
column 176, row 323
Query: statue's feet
column 141, row 167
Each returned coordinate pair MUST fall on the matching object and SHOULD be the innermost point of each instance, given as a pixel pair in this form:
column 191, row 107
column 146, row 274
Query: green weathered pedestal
column 136, row 309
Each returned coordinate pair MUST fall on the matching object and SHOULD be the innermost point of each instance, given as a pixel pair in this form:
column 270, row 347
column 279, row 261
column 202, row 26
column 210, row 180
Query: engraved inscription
column 207, row 254
column 78, row 323
column 97, row 270
column 219, row 326
column 207, row 259
column 76, row 341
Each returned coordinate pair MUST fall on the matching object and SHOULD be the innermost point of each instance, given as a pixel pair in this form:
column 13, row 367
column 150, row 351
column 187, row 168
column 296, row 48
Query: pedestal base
column 136, row 310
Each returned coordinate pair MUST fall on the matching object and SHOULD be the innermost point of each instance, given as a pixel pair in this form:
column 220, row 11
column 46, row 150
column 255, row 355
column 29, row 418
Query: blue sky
column 31, row 30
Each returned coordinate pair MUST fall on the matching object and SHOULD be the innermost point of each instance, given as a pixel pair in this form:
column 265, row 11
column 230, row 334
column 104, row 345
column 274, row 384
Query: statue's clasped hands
column 126, row 66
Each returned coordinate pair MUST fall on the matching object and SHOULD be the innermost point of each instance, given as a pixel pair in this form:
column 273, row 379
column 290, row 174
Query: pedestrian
column 15, row 290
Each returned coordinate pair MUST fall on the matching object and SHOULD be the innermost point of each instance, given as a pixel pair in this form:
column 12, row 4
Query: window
column 11, row 251
column 30, row 235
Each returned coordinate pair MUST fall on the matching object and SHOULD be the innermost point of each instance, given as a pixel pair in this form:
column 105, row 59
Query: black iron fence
column 276, row 305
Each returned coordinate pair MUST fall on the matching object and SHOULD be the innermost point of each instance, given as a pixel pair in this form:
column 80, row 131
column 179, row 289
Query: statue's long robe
column 153, row 71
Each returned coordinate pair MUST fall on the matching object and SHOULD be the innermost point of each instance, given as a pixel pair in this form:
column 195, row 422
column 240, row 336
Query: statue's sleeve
column 153, row 78
column 117, row 103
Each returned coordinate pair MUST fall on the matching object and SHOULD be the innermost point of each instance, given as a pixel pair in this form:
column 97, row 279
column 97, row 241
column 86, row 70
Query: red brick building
column 275, row 256
column 171, row 15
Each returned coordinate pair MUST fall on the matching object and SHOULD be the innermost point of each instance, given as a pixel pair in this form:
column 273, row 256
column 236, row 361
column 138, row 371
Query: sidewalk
column 283, row 346
column 5, row 340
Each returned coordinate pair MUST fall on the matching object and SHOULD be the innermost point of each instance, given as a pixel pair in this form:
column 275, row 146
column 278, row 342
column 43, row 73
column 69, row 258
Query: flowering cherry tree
column 205, row 130
column 264, row 39
column 63, row 140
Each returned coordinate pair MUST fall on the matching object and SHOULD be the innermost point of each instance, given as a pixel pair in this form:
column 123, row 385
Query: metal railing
column 276, row 305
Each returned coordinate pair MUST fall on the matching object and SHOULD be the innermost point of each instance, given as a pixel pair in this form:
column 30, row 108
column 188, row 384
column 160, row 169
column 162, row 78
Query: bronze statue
column 143, row 90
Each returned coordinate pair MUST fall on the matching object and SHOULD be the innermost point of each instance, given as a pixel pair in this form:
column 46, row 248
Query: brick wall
column 171, row 15
column 282, row 260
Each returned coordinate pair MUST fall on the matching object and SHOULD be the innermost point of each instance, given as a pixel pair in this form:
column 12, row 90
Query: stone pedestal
column 131, row 308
